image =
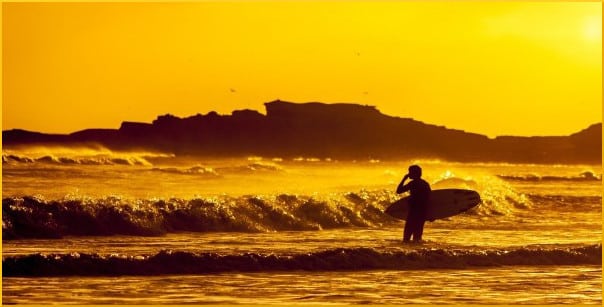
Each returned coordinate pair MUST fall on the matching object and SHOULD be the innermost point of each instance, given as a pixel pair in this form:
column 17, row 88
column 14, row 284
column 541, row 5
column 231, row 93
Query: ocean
column 92, row 226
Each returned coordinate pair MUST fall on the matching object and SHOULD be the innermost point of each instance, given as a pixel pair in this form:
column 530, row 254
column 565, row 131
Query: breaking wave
column 35, row 217
column 60, row 160
column 498, row 197
column 568, row 202
column 81, row 154
column 352, row 259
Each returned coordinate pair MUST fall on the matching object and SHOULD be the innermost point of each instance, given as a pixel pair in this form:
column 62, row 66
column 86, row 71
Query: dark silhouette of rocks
column 340, row 131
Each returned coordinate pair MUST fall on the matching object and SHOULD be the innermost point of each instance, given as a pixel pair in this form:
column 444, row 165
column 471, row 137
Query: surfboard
column 443, row 203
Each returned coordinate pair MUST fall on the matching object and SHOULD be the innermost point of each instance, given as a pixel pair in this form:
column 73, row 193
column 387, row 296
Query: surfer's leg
column 411, row 225
column 419, row 230
column 408, row 230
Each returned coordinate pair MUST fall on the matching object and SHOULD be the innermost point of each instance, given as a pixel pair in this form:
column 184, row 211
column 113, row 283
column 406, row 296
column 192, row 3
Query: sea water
column 94, row 227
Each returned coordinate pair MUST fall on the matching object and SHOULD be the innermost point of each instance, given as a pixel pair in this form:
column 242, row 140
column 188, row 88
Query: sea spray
column 498, row 197
column 65, row 160
column 87, row 154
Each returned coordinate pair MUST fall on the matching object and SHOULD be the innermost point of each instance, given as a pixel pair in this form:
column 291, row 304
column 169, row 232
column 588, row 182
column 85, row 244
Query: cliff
column 342, row 131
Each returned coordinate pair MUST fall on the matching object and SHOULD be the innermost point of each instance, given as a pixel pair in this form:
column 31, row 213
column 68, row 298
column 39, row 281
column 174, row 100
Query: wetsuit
column 418, row 205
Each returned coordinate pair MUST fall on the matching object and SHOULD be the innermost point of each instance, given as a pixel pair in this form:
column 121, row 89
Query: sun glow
column 592, row 29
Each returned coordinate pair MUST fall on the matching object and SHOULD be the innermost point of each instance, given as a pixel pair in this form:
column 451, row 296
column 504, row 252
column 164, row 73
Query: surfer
column 420, row 194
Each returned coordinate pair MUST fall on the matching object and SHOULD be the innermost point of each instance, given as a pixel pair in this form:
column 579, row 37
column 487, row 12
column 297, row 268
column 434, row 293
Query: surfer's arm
column 402, row 187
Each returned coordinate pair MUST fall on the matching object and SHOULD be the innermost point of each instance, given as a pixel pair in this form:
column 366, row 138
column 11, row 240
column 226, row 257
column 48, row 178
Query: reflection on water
column 296, row 242
column 506, row 285
column 329, row 199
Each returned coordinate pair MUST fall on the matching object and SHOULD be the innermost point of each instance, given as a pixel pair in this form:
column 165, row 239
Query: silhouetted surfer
column 420, row 194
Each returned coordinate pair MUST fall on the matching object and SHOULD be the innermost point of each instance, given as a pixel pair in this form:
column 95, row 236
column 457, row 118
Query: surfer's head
column 415, row 172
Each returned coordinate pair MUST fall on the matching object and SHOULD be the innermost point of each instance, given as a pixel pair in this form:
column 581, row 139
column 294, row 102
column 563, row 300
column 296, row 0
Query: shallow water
column 296, row 242
column 505, row 285
column 535, row 239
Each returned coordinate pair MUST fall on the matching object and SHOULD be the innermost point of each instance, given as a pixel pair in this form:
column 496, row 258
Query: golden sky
column 498, row 68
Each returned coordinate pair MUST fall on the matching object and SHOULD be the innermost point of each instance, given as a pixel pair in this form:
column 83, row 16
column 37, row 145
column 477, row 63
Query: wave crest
column 66, row 160
column 584, row 176
column 35, row 217
column 352, row 259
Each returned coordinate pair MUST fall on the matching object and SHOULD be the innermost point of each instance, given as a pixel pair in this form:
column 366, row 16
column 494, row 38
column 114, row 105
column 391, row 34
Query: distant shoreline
column 337, row 131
